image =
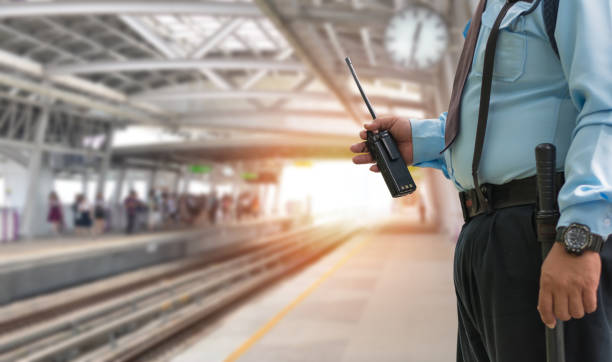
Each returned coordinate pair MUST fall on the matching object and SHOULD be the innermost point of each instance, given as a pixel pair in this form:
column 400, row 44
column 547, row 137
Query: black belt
column 515, row 193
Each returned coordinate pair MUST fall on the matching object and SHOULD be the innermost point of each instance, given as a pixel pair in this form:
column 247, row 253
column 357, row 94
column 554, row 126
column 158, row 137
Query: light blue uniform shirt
column 537, row 98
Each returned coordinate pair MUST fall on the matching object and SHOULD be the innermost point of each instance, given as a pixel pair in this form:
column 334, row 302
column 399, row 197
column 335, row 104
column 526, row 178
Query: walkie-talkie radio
column 384, row 151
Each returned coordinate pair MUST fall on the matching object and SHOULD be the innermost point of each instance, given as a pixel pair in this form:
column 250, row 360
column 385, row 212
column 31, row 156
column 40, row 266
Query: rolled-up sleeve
column 585, row 49
column 428, row 141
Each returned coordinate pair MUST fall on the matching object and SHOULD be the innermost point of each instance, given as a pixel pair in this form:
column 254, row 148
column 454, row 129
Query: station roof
column 258, row 65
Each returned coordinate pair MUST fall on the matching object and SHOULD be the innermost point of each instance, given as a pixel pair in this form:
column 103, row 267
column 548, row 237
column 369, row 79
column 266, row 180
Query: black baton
column 546, row 220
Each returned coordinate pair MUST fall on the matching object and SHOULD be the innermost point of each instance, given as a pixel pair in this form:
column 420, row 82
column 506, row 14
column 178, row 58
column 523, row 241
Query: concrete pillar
column 116, row 199
column 177, row 182
column 186, row 181
column 263, row 199
column 85, row 184
column 276, row 203
column 105, row 164
column 130, row 181
column 34, row 166
column 152, row 184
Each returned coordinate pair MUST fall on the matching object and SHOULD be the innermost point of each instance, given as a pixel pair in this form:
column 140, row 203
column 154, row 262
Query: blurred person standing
column 184, row 210
column 84, row 220
column 213, row 207
column 132, row 206
column 55, row 215
column 227, row 208
column 171, row 209
column 100, row 214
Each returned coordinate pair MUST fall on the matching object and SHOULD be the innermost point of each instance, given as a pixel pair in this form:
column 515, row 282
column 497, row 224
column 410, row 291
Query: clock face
column 417, row 37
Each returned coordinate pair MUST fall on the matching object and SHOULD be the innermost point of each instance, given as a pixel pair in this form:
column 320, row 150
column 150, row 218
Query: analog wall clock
column 417, row 37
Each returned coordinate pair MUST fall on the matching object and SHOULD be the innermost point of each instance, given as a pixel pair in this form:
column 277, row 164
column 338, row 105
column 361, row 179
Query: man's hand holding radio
column 399, row 128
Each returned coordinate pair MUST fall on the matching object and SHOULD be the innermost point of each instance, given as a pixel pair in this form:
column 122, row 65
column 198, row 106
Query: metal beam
column 217, row 80
column 370, row 17
column 32, row 68
column 367, row 45
column 251, row 117
column 273, row 122
column 172, row 53
column 225, row 30
column 335, row 41
column 64, row 8
column 213, row 8
column 234, row 94
column 264, row 94
column 156, row 64
column 302, row 83
column 30, row 146
column 252, row 80
column 393, row 73
column 14, row 155
column 147, row 34
column 78, row 99
column 311, row 60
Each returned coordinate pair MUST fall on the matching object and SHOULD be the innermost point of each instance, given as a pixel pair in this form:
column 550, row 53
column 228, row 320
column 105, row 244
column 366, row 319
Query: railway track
column 128, row 324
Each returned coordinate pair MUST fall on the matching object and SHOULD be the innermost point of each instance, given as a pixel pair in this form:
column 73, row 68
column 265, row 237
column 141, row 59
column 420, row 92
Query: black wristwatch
column 577, row 238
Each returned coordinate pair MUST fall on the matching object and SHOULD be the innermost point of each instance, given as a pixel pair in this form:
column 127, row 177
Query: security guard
column 518, row 84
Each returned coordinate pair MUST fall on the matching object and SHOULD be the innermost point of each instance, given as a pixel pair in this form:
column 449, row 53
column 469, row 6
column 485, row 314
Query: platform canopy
column 232, row 65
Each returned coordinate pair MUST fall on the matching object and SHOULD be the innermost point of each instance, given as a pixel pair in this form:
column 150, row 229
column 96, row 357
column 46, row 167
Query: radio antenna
column 363, row 95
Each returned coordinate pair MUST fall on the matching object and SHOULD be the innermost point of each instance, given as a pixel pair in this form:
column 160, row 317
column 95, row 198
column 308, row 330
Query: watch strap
column 597, row 243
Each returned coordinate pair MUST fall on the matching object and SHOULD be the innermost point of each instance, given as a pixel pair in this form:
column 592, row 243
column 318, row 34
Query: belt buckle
column 464, row 209
column 487, row 192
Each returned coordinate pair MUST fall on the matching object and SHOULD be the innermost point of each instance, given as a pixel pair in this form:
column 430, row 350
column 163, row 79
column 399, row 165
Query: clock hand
column 417, row 36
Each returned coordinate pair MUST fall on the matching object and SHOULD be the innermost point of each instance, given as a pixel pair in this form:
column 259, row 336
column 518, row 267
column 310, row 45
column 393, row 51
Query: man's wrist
column 578, row 238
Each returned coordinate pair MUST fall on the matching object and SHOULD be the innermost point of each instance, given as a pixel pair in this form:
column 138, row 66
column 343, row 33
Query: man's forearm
column 428, row 141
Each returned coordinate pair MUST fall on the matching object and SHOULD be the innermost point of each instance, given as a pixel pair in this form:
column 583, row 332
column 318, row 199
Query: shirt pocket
column 511, row 50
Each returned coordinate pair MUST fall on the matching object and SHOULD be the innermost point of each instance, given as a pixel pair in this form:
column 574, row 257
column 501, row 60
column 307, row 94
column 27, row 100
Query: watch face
column 576, row 238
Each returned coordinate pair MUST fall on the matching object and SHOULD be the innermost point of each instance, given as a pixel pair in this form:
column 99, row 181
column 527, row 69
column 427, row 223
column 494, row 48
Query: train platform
column 378, row 297
column 34, row 267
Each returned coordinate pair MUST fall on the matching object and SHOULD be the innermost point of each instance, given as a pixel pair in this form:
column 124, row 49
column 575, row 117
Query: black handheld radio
column 384, row 151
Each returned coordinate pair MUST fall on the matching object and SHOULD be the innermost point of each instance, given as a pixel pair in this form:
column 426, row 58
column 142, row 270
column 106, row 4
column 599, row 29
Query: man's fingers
column 363, row 158
column 374, row 168
column 561, row 306
column 363, row 135
column 545, row 307
column 381, row 123
column 576, row 309
column 589, row 298
column 359, row 147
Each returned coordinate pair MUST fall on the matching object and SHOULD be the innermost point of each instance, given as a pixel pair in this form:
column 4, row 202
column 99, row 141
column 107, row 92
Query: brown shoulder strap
column 485, row 97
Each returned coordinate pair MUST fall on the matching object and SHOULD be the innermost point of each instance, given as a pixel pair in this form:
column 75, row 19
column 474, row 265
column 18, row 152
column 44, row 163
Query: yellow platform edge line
column 277, row 318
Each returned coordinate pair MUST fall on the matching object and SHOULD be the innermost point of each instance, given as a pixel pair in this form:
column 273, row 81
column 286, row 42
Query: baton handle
column 545, row 165
column 546, row 219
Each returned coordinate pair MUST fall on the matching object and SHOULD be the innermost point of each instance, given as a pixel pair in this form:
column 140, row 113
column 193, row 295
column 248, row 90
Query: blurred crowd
column 158, row 210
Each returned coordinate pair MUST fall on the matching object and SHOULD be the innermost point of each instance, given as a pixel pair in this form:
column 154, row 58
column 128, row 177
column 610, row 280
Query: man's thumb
column 380, row 124
column 372, row 126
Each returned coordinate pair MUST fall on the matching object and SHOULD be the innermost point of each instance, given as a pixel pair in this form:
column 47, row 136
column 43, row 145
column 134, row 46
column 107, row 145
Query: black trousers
column 131, row 223
column 496, row 272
